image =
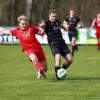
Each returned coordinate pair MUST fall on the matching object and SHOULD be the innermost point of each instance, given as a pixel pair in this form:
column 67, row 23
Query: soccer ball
column 61, row 73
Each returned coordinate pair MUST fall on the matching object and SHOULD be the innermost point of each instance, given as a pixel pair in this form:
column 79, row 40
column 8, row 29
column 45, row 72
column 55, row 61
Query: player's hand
column 42, row 23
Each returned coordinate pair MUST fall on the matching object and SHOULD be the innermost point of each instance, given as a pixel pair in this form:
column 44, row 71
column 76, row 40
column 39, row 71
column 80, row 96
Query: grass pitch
column 18, row 78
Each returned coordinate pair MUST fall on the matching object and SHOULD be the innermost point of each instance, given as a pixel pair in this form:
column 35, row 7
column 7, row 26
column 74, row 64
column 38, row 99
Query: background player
column 71, row 23
column 96, row 24
column 30, row 46
column 57, row 44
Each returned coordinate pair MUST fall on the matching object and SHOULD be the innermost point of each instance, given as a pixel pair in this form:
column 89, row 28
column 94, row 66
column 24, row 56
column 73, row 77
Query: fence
column 85, row 36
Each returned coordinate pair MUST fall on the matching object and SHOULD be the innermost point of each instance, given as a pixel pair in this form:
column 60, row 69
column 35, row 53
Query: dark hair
column 71, row 9
column 52, row 11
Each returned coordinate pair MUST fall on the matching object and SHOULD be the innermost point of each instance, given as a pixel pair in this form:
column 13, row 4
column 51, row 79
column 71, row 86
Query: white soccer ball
column 61, row 73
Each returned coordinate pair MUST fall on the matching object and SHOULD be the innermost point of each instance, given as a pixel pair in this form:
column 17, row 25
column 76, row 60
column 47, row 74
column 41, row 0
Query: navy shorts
column 59, row 48
column 72, row 34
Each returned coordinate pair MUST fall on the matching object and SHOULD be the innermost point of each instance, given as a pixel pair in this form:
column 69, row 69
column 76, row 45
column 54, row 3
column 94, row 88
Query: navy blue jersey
column 53, row 31
column 72, row 22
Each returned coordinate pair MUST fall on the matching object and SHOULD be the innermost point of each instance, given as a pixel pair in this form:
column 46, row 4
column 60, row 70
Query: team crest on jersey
column 56, row 28
column 26, row 34
column 74, row 19
column 57, row 23
column 70, row 19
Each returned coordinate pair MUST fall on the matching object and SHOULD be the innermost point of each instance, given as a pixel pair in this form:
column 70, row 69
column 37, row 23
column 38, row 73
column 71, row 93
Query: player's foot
column 98, row 48
column 76, row 48
column 56, row 69
column 58, row 78
column 65, row 66
column 72, row 54
column 40, row 73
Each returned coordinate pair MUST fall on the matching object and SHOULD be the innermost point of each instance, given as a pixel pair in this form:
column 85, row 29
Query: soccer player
column 25, row 33
column 71, row 23
column 56, row 42
column 96, row 24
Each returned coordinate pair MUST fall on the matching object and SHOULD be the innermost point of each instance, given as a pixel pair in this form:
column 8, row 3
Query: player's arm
column 3, row 31
column 62, row 27
column 93, row 24
column 65, row 25
column 80, row 24
column 42, row 28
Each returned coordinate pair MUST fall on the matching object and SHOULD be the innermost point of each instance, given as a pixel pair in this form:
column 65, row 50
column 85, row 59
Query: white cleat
column 40, row 73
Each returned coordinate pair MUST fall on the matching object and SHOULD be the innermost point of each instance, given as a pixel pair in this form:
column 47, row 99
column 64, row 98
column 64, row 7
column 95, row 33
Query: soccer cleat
column 98, row 48
column 40, row 73
column 56, row 69
column 58, row 78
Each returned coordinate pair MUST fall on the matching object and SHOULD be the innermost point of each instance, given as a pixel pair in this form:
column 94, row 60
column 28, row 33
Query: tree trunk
column 52, row 4
column 29, row 10
column 12, row 13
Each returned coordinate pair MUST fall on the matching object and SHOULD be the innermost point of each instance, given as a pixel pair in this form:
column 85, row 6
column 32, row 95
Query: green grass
column 18, row 78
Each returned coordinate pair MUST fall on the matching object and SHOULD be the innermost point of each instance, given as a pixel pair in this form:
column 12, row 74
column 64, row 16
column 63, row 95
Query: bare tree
column 52, row 4
column 29, row 10
column 12, row 13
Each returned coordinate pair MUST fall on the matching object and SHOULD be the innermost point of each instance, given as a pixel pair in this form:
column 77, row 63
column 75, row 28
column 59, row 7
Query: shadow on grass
column 83, row 78
column 76, row 79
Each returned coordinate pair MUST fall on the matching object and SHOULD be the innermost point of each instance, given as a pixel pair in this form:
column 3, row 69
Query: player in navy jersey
column 71, row 23
column 56, row 42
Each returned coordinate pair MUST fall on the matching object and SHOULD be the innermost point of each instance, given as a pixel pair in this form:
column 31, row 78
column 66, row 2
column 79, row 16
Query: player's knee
column 69, row 59
column 32, row 57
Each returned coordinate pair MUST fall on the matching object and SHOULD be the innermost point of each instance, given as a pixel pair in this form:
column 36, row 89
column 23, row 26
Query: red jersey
column 27, row 37
column 97, row 24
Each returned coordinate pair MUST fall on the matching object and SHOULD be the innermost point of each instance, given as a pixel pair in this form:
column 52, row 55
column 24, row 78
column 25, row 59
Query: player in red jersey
column 96, row 24
column 30, row 46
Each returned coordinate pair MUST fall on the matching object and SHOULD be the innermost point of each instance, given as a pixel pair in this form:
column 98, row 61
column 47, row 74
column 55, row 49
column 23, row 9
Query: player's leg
column 35, row 61
column 98, row 43
column 38, row 65
column 74, row 46
column 65, row 52
column 56, row 53
column 42, row 59
column 72, row 38
column 57, row 63
column 68, row 61
column 44, row 64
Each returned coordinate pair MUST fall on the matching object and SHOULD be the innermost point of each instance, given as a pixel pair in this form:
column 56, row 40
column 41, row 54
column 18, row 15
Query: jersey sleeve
column 59, row 23
column 78, row 19
column 46, row 25
column 95, row 22
column 66, row 18
column 13, row 32
column 34, row 28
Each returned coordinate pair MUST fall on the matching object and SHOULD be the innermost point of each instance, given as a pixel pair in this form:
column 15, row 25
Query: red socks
column 37, row 65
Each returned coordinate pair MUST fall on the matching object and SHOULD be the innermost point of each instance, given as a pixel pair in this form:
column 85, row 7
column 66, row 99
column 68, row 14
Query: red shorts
column 97, row 34
column 39, row 54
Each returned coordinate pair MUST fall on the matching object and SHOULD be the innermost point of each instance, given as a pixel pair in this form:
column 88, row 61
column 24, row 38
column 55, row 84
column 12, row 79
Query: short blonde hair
column 22, row 17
